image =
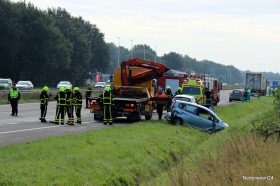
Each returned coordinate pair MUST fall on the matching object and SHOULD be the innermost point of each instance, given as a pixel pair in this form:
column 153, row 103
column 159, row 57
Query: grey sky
column 242, row 33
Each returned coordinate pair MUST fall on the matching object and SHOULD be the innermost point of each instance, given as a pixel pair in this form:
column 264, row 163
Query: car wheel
column 178, row 121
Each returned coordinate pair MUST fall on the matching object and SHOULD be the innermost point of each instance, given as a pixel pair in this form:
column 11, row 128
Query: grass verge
column 146, row 153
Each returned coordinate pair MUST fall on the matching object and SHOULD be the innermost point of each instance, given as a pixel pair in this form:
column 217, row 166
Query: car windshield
column 236, row 92
column 22, row 83
column 64, row 83
column 100, row 83
column 191, row 90
column 3, row 81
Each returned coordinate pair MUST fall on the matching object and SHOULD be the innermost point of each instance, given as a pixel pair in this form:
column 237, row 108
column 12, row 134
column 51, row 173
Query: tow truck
column 133, row 90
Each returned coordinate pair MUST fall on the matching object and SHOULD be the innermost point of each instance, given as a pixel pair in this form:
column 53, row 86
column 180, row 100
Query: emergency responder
column 13, row 97
column 179, row 91
column 88, row 94
column 77, row 101
column 160, row 103
column 69, row 105
column 60, row 107
column 44, row 99
column 107, row 100
column 168, row 93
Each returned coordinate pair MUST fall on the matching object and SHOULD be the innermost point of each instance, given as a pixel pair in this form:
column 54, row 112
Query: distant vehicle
column 196, row 116
column 100, row 84
column 184, row 97
column 236, row 95
column 5, row 84
column 64, row 84
column 257, row 83
column 24, row 85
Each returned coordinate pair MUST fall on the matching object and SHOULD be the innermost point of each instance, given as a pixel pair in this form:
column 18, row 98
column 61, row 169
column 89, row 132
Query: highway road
column 27, row 126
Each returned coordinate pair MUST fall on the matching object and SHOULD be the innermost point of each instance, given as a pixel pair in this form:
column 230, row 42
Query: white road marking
column 13, row 123
column 7, row 132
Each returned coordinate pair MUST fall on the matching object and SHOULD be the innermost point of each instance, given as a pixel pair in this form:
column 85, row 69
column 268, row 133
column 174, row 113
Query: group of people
column 165, row 99
column 247, row 95
column 67, row 102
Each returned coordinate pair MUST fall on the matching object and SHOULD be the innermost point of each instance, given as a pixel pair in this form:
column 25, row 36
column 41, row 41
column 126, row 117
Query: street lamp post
column 118, row 51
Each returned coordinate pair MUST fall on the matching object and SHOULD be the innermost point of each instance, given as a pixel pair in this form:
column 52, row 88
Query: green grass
column 146, row 153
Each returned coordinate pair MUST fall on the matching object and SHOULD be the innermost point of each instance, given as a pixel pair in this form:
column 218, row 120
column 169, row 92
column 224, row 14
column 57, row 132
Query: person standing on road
column 160, row 103
column 44, row 99
column 169, row 95
column 69, row 105
column 77, row 101
column 88, row 94
column 13, row 97
column 107, row 100
column 60, row 107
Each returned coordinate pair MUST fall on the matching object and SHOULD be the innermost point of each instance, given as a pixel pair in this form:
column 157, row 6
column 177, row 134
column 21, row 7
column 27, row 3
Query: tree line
column 47, row 46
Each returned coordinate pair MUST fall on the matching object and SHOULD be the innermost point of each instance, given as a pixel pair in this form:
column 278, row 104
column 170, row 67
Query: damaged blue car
column 194, row 115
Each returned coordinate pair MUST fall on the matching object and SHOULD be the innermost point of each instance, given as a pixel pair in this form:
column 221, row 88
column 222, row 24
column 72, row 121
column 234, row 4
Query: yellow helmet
column 68, row 88
column 45, row 88
column 179, row 88
column 76, row 89
column 107, row 88
column 61, row 89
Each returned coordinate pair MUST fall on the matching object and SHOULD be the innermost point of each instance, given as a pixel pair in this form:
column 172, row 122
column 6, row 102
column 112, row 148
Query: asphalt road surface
column 27, row 126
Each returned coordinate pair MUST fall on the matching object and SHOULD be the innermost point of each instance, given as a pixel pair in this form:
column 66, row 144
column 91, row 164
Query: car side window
column 191, row 109
column 205, row 114
column 181, row 105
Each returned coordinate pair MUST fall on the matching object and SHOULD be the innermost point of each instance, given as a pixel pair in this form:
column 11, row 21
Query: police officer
column 107, row 100
column 60, row 107
column 44, row 99
column 77, row 101
column 178, row 92
column 13, row 97
column 168, row 93
column 69, row 105
column 88, row 94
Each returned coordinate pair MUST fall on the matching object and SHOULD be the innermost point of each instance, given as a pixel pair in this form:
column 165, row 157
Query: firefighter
column 168, row 93
column 77, row 101
column 88, row 94
column 13, row 97
column 60, row 107
column 160, row 103
column 107, row 100
column 178, row 92
column 44, row 99
column 69, row 105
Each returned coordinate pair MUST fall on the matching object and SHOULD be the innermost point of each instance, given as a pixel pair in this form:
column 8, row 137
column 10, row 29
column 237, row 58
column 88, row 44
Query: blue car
column 196, row 116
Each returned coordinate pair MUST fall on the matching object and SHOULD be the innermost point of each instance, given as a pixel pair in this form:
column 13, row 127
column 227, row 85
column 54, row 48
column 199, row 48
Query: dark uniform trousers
column 160, row 110
column 14, row 104
column 60, row 112
column 108, row 114
column 78, row 109
column 44, row 108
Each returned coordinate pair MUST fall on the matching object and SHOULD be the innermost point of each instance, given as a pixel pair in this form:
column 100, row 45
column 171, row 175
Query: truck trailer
column 257, row 83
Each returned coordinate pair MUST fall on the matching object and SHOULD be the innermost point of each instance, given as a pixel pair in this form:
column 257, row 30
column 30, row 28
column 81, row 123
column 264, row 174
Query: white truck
column 257, row 83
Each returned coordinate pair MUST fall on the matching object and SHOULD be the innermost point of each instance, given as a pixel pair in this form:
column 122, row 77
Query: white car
column 24, row 85
column 100, row 85
column 64, row 84
column 186, row 98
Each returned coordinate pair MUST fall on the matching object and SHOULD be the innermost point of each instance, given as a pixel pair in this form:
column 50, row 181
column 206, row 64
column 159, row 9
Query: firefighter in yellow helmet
column 179, row 91
column 44, row 100
column 77, row 101
column 169, row 94
column 69, row 105
column 107, row 100
column 61, row 106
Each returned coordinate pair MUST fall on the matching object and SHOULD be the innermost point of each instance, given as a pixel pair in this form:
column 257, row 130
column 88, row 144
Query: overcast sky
column 242, row 33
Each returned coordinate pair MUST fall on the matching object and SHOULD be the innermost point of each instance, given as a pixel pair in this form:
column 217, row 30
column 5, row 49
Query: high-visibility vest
column 44, row 99
column 107, row 100
column 77, row 100
column 14, row 93
column 61, row 100
column 162, row 95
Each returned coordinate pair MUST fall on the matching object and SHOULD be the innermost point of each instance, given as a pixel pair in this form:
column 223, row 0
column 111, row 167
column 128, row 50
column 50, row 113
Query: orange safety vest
column 162, row 95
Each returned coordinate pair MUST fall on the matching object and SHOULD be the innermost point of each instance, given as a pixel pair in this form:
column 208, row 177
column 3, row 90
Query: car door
column 190, row 116
column 206, row 120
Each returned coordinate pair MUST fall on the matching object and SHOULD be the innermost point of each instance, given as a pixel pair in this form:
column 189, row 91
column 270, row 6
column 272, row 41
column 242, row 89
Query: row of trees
column 49, row 46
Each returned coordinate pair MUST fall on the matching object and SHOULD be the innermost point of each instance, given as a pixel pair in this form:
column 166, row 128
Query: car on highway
column 184, row 97
column 236, row 95
column 25, row 85
column 196, row 116
column 5, row 83
column 100, row 84
column 64, row 84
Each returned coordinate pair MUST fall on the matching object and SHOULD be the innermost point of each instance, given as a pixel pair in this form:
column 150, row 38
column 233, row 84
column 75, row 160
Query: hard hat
column 68, row 88
column 168, row 87
column 61, row 89
column 45, row 88
column 179, row 88
column 107, row 88
column 76, row 88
